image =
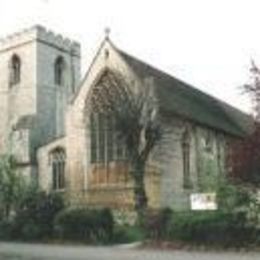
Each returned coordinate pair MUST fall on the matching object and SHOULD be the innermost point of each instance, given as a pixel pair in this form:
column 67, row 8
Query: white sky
column 205, row 43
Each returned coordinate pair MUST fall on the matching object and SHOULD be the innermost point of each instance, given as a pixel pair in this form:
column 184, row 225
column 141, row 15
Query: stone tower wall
column 32, row 111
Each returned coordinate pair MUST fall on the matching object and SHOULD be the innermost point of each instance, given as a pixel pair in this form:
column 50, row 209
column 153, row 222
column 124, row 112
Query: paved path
column 15, row 251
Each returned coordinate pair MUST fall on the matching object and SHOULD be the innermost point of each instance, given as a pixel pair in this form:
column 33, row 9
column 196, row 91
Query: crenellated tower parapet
column 40, row 33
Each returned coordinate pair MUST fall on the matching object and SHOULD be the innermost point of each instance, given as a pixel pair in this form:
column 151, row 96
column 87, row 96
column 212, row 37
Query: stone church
column 45, row 124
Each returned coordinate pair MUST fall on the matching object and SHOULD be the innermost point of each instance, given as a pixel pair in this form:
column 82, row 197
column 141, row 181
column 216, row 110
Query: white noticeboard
column 203, row 201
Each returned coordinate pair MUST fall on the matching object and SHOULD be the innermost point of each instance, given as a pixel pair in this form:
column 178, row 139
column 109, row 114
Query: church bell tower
column 39, row 74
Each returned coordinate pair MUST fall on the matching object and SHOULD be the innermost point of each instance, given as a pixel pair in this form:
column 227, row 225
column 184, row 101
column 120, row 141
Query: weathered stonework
column 32, row 112
column 164, row 177
column 38, row 116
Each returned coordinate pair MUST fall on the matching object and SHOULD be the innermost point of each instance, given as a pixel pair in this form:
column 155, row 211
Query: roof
column 25, row 122
column 179, row 98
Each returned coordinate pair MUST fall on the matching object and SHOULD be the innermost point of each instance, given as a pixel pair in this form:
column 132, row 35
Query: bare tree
column 253, row 89
column 245, row 154
column 134, row 109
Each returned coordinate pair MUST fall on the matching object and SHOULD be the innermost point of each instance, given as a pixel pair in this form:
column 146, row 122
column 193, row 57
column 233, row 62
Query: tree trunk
column 139, row 190
column 7, row 210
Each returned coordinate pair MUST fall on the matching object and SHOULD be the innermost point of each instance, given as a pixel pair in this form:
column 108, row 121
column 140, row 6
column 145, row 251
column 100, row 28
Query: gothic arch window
column 58, row 161
column 186, row 158
column 108, row 155
column 208, row 142
column 106, row 146
column 15, row 70
column 59, row 71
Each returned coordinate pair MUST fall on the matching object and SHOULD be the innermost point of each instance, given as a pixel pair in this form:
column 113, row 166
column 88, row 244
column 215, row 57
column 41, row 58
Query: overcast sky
column 208, row 44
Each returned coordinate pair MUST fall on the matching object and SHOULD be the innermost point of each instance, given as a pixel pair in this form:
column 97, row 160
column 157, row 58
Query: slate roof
column 179, row 98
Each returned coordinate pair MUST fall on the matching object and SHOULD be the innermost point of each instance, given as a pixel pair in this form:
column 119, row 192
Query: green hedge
column 127, row 234
column 156, row 223
column 201, row 227
column 6, row 229
column 227, row 229
column 89, row 225
column 34, row 218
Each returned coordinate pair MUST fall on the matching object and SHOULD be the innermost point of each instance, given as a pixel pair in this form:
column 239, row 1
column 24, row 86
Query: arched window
column 59, row 71
column 106, row 146
column 108, row 154
column 58, row 160
column 208, row 142
column 186, row 158
column 15, row 70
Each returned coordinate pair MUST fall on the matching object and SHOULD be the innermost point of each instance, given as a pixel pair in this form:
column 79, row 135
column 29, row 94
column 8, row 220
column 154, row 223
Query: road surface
column 16, row 251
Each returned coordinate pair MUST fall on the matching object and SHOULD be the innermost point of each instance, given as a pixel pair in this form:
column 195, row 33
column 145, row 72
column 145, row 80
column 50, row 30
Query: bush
column 34, row 218
column 220, row 228
column 89, row 225
column 127, row 234
column 29, row 231
column 232, row 197
column 156, row 223
column 226, row 229
column 6, row 227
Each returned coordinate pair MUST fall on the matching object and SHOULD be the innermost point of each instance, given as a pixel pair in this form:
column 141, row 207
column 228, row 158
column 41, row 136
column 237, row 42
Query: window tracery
column 58, row 160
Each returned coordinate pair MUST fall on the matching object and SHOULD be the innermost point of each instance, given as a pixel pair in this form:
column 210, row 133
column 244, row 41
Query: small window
column 15, row 70
column 186, row 158
column 58, row 159
column 59, row 71
column 208, row 142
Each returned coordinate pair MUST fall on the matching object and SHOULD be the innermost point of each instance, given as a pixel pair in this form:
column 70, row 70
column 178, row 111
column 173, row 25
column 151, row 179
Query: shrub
column 231, row 197
column 6, row 227
column 227, row 229
column 89, row 225
column 12, row 185
column 222, row 228
column 156, row 223
column 30, row 231
column 34, row 218
column 127, row 234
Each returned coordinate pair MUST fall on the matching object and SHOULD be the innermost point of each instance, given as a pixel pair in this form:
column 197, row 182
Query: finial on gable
column 107, row 32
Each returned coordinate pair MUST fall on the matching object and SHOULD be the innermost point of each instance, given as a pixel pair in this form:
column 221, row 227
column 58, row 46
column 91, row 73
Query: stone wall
column 44, row 164
column 36, row 100
column 205, row 166
column 97, row 185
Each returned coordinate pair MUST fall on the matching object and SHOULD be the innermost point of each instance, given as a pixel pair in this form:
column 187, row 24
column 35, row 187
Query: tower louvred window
column 59, row 70
column 15, row 70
